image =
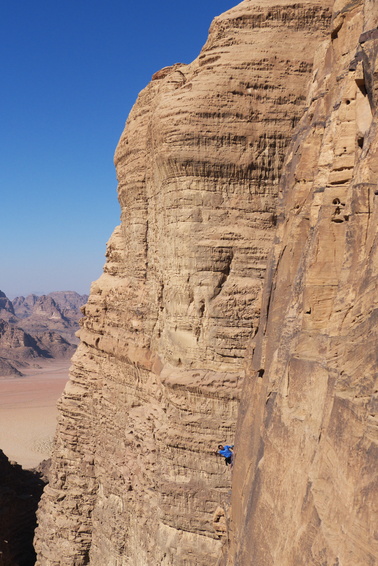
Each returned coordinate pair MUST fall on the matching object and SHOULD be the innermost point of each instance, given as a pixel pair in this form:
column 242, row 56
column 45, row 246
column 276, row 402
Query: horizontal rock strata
column 156, row 379
column 305, row 480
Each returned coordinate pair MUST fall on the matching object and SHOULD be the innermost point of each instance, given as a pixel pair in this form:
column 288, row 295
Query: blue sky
column 71, row 71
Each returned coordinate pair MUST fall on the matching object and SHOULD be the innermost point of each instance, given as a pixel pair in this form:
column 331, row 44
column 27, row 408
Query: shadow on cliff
column 20, row 492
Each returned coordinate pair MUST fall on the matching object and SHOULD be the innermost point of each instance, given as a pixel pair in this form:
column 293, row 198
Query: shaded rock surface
column 20, row 491
column 157, row 376
column 305, row 486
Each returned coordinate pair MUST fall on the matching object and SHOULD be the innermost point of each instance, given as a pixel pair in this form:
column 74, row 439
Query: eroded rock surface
column 156, row 379
column 305, row 480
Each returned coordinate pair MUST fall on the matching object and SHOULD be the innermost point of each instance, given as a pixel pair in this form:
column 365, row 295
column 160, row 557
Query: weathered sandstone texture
column 156, row 380
column 305, row 489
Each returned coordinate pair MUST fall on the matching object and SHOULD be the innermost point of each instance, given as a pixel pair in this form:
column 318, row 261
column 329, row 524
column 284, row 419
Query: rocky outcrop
column 156, row 379
column 305, row 481
column 8, row 368
column 6, row 309
column 18, row 348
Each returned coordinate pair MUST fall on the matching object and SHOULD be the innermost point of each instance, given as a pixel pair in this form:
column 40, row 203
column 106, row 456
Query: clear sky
column 70, row 73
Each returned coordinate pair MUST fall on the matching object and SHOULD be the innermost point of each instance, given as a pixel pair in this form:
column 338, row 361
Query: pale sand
column 28, row 412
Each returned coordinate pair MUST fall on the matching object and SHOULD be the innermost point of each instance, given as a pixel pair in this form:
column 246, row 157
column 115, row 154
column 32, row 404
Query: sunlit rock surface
column 157, row 377
column 305, row 480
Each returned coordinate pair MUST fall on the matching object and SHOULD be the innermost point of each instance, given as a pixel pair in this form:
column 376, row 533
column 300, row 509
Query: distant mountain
column 6, row 308
column 24, row 306
column 58, row 311
column 69, row 300
column 68, row 303
column 36, row 327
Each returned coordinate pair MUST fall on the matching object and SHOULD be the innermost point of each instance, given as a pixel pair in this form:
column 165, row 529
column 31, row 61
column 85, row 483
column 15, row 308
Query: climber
column 227, row 453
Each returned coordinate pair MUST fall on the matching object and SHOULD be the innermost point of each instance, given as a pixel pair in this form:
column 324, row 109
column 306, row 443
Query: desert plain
column 28, row 411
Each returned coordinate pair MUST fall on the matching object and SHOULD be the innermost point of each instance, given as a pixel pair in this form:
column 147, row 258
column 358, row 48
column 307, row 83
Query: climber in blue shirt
column 227, row 453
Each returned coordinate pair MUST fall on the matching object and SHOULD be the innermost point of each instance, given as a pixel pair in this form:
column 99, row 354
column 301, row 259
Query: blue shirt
column 226, row 452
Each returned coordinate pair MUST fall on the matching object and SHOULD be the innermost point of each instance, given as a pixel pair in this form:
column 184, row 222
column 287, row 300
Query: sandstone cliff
column 156, row 379
column 305, row 481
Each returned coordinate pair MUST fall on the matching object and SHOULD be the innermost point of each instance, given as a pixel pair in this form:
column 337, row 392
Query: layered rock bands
column 305, row 486
column 156, row 379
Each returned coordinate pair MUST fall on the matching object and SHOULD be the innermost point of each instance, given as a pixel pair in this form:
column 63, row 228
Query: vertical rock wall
column 305, row 481
column 156, row 379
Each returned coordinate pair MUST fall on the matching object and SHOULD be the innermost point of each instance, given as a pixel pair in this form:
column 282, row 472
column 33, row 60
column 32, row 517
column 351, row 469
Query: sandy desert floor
column 28, row 412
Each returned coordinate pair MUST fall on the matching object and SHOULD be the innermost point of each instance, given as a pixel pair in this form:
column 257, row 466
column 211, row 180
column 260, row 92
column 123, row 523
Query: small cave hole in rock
column 335, row 33
column 376, row 192
column 347, row 102
column 260, row 373
column 361, row 85
column 308, row 311
column 336, row 201
column 360, row 142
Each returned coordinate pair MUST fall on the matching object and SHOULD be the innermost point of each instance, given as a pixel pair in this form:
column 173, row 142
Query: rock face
column 20, row 491
column 305, row 481
column 157, row 376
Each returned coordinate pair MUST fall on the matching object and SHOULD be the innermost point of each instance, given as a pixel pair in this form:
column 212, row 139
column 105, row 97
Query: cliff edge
column 157, row 376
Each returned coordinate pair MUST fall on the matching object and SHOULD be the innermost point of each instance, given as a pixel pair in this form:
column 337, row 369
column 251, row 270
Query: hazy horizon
column 40, row 293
